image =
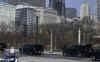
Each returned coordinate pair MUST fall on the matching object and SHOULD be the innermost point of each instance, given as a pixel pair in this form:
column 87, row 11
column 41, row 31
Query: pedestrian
column 12, row 51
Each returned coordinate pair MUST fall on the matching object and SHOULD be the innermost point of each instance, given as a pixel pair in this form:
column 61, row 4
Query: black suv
column 30, row 49
column 96, row 52
column 78, row 50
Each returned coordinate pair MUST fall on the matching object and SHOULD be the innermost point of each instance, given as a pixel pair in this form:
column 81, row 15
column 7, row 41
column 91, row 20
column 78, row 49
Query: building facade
column 58, row 5
column 84, row 10
column 37, row 3
column 7, row 16
column 49, row 16
column 97, row 16
column 71, row 12
column 97, row 9
column 25, row 19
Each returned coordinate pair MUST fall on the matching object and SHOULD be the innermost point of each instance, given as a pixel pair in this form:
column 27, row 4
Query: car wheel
column 79, row 55
column 95, row 59
column 63, row 54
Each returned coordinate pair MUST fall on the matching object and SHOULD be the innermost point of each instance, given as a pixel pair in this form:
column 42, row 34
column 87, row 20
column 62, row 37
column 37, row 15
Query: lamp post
column 55, row 43
column 51, row 41
column 79, row 36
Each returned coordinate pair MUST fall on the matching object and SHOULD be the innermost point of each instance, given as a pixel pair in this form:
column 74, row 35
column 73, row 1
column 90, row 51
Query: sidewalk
column 52, row 53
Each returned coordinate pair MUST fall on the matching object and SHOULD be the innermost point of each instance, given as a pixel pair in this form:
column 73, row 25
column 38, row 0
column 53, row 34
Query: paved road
column 53, row 59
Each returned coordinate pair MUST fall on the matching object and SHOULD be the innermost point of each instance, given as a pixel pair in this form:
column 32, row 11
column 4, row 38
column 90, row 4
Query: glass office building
column 25, row 19
column 97, row 9
column 37, row 3
column 71, row 13
column 58, row 5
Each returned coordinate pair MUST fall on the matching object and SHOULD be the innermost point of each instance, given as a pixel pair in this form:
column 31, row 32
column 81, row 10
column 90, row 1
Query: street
column 53, row 59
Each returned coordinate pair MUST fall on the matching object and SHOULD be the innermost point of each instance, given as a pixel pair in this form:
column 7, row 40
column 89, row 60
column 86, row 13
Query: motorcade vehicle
column 78, row 50
column 96, row 52
column 9, row 59
column 33, row 49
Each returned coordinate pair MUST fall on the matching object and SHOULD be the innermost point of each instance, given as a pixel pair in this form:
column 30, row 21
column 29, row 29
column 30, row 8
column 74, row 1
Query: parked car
column 30, row 49
column 96, row 52
column 9, row 59
column 77, row 50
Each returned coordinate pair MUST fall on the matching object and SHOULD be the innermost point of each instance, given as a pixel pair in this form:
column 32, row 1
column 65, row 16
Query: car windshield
column 77, row 46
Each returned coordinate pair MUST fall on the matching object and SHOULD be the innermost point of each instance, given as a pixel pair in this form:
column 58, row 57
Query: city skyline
column 74, row 4
column 78, row 3
column 51, row 23
column 58, row 5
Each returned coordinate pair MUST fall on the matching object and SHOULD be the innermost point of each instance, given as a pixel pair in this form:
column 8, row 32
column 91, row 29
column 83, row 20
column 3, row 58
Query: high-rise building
column 71, row 12
column 84, row 10
column 97, row 16
column 58, row 5
column 25, row 19
column 97, row 9
column 7, row 16
column 49, row 16
column 37, row 3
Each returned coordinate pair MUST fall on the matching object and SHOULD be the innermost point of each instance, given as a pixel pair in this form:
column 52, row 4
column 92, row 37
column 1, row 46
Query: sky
column 77, row 4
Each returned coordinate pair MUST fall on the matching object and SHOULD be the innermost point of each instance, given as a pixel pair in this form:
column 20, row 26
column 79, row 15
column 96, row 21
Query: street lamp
column 78, row 25
column 51, row 41
column 55, row 43
column 79, row 36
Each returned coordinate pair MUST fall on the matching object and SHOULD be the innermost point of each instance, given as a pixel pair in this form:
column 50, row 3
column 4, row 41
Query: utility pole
column 55, row 42
column 36, row 39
